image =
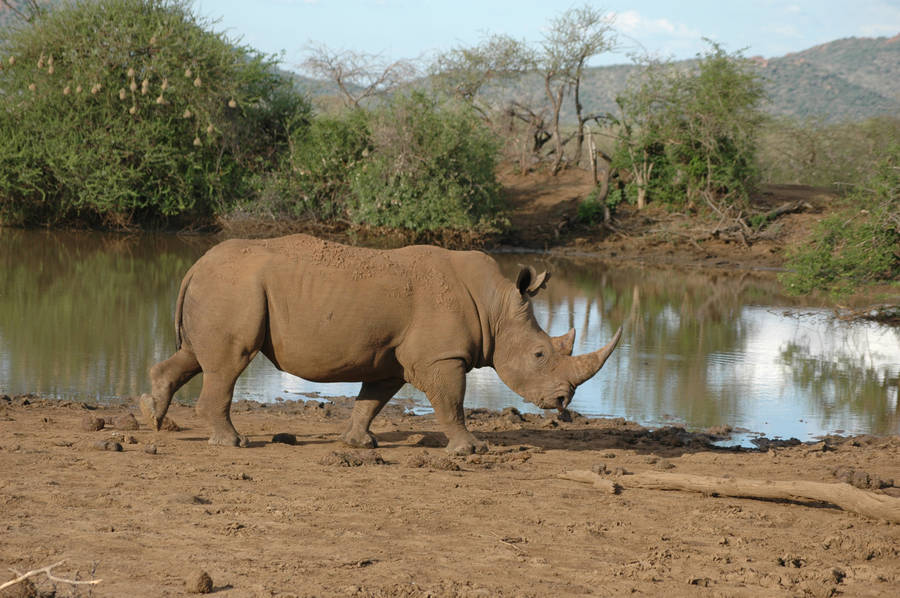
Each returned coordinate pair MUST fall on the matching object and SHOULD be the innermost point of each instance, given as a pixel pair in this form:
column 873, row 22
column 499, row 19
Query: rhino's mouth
column 555, row 401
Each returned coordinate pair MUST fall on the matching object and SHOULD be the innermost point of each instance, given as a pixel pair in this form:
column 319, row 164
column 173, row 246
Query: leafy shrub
column 813, row 153
column 313, row 180
column 118, row 112
column 687, row 135
column 431, row 167
column 858, row 245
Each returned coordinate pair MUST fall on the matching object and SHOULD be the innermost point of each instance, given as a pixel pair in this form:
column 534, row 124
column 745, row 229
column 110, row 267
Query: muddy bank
column 299, row 514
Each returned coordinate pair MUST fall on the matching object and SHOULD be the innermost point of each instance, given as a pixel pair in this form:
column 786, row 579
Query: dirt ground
column 544, row 208
column 315, row 518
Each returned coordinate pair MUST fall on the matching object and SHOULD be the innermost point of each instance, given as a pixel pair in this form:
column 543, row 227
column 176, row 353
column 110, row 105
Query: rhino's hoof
column 230, row 440
column 367, row 441
column 467, row 448
column 148, row 410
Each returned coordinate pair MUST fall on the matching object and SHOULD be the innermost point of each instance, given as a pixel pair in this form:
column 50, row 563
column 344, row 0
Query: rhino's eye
column 539, row 354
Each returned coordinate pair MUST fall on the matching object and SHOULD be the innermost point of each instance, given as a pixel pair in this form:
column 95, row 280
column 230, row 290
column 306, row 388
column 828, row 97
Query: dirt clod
column 442, row 463
column 351, row 459
column 108, row 445
column 199, row 583
column 126, row 422
column 90, row 423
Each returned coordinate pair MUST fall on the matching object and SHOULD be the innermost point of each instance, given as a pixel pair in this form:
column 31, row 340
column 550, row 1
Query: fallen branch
column 845, row 496
column 46, row 570
column 589, row 477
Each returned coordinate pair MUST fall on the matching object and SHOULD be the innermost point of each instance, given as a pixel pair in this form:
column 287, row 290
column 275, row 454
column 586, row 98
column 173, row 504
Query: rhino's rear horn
column 583, row 367
column 564, row 343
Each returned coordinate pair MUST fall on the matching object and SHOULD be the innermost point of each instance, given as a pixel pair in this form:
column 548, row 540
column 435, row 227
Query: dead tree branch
column 48, row 572
column 844, row 496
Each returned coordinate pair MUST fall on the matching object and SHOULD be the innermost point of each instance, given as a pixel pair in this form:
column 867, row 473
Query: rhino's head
column 537, row 366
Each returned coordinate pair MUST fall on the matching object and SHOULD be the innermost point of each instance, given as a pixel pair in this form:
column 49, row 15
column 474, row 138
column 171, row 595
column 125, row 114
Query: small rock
column 108, row 445
column 199, row 583
column 92, row 424
column 169, row 425
column 150, row 449
column 126, row 422
column 664, row 464
column 284, row 438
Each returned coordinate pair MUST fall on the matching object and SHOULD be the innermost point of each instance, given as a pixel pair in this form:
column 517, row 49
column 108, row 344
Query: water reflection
column 85, row 315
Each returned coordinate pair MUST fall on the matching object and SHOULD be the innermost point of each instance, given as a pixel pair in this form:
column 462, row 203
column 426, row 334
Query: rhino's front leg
column 445, row 389
column 372, row 397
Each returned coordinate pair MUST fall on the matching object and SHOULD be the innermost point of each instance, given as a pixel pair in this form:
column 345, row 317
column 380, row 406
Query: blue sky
column 417, row 28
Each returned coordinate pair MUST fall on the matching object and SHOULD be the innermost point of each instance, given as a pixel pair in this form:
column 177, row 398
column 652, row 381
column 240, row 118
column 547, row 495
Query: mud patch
column 352, row 459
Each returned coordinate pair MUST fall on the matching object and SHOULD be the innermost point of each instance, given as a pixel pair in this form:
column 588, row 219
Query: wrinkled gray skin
column 331, row 313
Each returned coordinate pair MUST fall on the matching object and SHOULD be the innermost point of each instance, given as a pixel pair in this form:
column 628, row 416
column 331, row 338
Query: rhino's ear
column 530, row 282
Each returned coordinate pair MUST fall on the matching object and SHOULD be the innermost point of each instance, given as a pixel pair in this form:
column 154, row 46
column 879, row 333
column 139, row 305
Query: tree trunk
column 556, row 103
column 579, row 137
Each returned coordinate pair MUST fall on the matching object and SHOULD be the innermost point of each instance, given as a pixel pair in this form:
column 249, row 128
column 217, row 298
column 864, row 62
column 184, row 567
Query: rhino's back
column 338, row 312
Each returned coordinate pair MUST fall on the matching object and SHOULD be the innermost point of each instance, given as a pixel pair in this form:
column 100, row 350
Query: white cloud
column 784, row 30
column 632, row 22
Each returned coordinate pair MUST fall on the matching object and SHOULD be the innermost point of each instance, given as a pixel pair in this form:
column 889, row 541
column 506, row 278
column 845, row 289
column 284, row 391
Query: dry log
column 589, row 477
column 845, row 496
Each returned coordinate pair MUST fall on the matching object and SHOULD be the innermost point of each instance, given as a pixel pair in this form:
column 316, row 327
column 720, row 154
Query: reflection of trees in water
column 681, row 329
column 77, row 307
column 839, row 381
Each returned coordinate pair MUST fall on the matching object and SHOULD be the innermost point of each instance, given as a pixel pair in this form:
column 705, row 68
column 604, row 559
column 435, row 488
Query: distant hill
column 844, row 80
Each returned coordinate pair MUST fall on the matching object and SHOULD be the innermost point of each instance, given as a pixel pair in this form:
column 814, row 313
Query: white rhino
column 327, row 312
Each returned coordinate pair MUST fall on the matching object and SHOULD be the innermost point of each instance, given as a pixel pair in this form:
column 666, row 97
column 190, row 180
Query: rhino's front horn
column 583, row 367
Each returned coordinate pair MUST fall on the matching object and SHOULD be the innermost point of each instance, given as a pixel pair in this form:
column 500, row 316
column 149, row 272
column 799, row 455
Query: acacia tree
column 359, row 76
column 570, row 41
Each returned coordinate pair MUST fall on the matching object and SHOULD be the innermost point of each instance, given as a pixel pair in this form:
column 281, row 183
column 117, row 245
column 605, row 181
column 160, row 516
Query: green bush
column 813, row 153
column 117, row 112
column 431, row 167
column 858, row 245
column 313, row 179
column 687, row 135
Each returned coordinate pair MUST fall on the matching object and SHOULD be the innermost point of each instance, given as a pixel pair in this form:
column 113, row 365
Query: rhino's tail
column 179, row 309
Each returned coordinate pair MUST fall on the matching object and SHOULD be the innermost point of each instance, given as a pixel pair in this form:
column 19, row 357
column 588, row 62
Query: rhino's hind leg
column 372, row 397
column 166, row 377
column 214, row 406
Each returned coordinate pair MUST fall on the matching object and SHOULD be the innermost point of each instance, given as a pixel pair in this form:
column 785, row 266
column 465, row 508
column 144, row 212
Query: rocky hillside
column 844, row 80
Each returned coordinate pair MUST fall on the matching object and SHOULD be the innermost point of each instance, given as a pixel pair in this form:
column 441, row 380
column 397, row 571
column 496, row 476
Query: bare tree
column 31, row 6
column 359, row 76
column 570, row 41
column 465, row 71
